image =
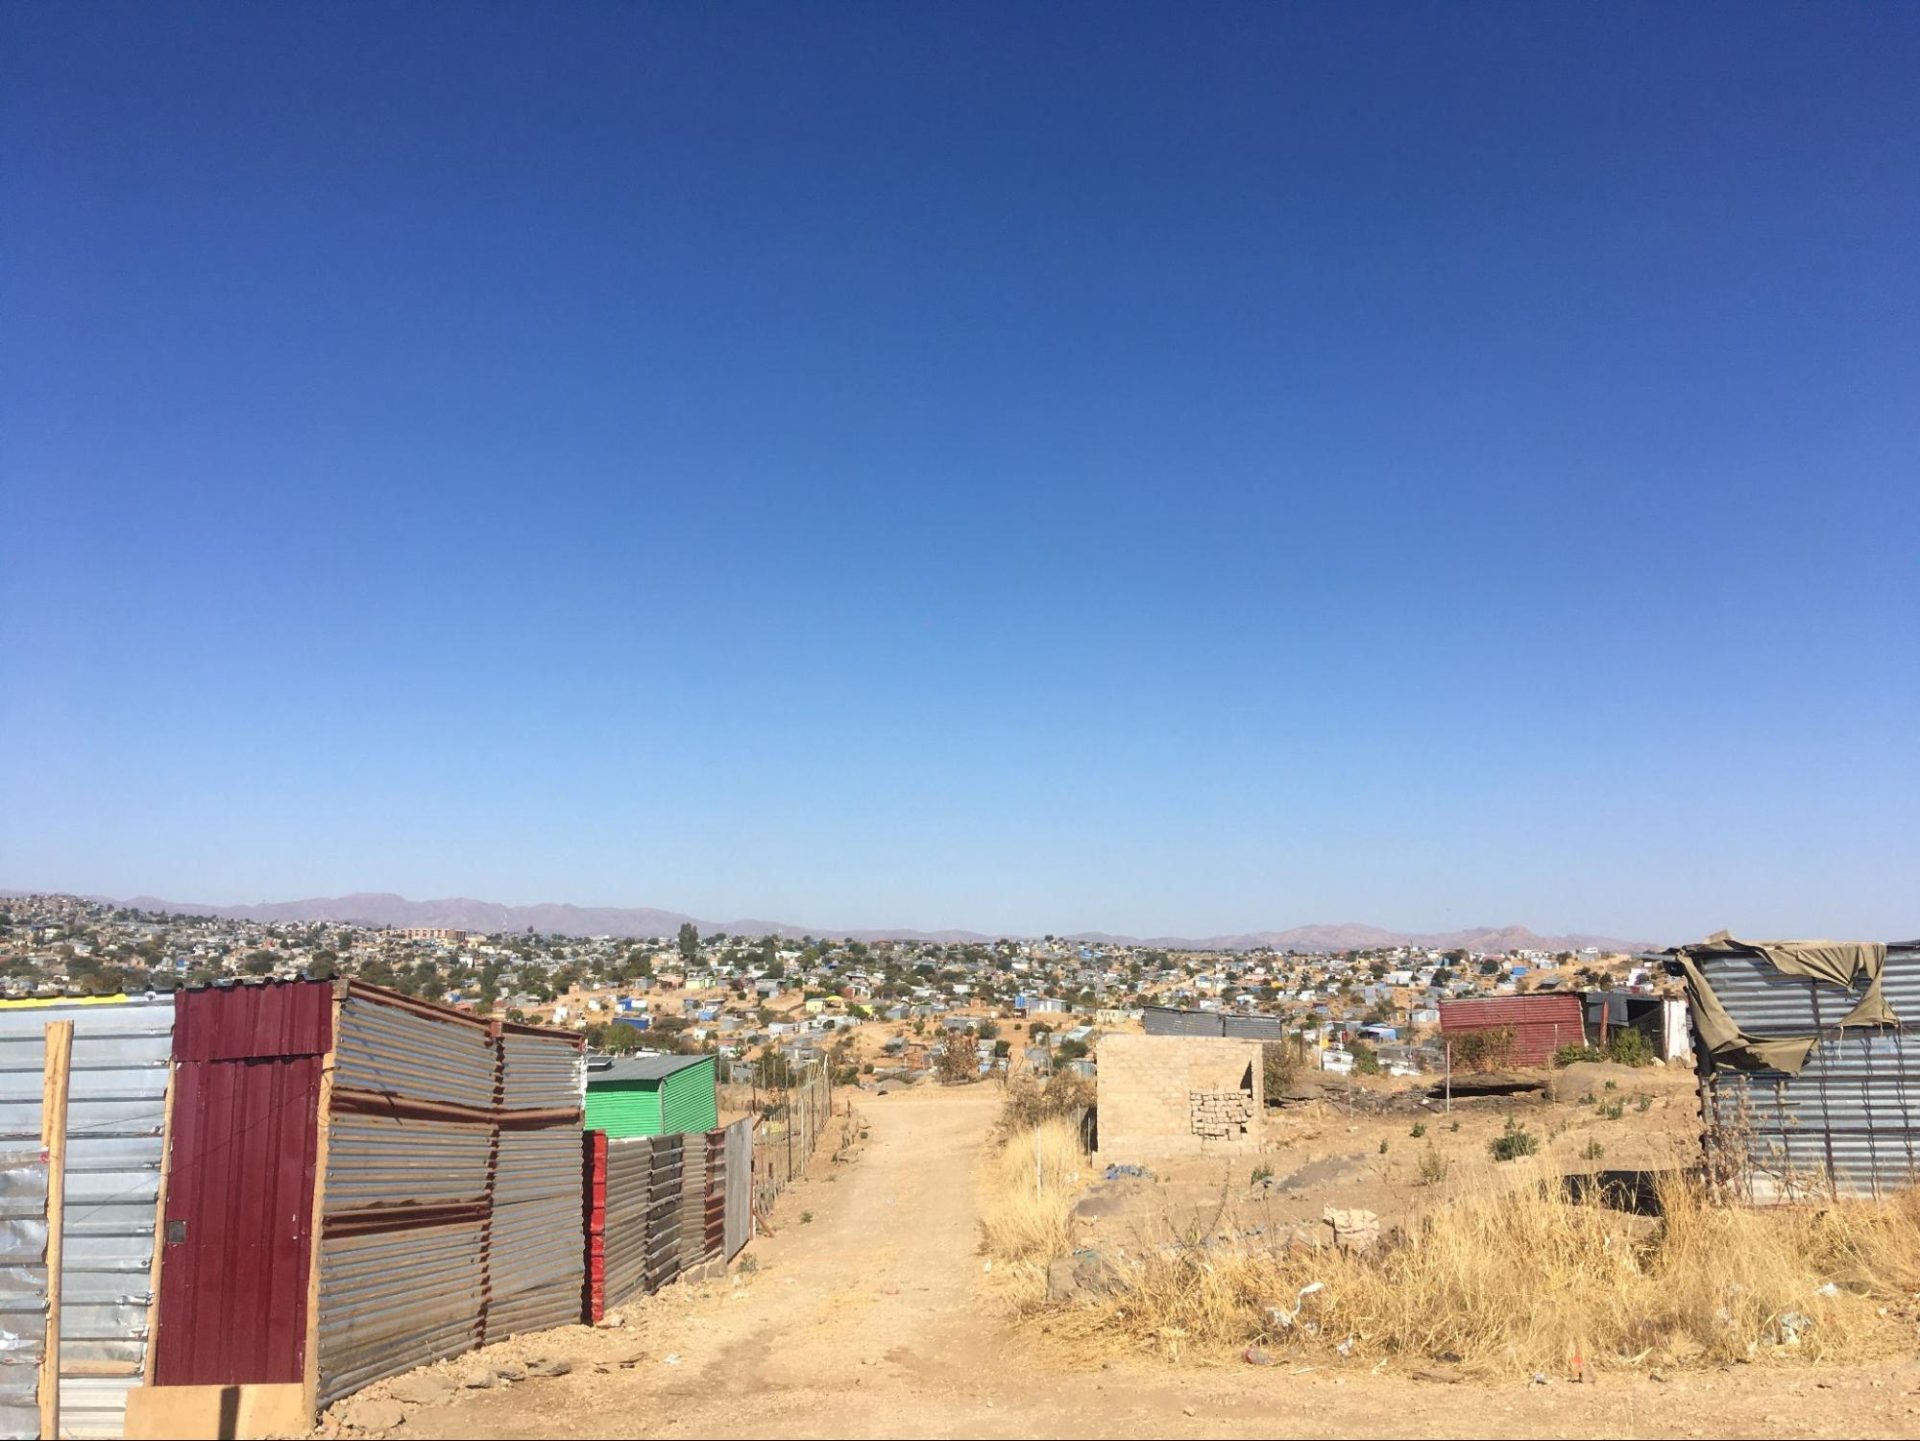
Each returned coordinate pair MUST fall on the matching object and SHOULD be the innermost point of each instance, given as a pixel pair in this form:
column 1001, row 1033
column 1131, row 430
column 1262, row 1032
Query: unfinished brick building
column 1165, row 1096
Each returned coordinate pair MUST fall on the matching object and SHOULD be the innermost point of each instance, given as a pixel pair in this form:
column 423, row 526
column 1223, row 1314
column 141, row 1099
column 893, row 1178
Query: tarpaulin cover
column 1846, row 964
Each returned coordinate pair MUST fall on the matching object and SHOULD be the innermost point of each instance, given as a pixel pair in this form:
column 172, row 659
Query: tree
column 689, row 942
column 258, row 963
column 617, row 1039
column 324, row 966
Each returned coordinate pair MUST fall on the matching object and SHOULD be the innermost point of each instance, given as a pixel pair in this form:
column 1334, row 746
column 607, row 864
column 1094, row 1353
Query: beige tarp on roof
column 1838, row 963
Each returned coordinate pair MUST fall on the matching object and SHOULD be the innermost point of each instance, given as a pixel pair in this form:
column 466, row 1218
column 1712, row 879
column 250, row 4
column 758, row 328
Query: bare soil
column 875, row 1318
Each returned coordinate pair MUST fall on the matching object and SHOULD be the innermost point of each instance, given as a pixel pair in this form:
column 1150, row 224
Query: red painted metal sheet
column 237, row 1240
column 594, row 1304
column 1541, row 1024
column 289, row 1018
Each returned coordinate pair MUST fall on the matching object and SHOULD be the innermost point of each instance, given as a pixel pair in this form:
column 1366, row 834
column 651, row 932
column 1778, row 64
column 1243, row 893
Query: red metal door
column 237, row 1238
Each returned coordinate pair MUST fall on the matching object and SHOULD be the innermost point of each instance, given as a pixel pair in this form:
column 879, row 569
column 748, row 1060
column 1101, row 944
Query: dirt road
column 872, row 1319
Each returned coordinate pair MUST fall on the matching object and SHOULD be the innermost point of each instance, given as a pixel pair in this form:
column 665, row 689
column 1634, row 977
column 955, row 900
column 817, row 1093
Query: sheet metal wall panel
column 386, row 1161
column 1170, row 1021
column 1541, row 1024
column 739, row 1204
column 536, row 1265
column 239, row 1214
column 23, row 1288
column 116, row 1115
column 663, row 1215
column 396, row 1051
column 693, row 1199
column 238, row 1023
column 395, row 1300
column 1849, row 1122
column 1252, row 1027
column 542, row 1072
column 629, row 1203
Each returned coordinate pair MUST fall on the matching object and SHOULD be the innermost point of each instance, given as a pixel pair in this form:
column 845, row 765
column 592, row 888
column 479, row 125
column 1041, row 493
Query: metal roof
column 640, row 1068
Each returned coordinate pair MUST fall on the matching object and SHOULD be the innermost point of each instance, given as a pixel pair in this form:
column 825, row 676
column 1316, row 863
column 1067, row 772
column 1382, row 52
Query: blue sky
column 1031, row 468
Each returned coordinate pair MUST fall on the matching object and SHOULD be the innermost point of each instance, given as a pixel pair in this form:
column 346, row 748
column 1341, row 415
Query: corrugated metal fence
column 452, row 1208
column 657, row 1206
column 115, row 1119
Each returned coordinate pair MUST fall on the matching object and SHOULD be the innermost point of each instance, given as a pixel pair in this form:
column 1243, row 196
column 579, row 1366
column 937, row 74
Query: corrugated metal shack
column 116, row 1114
column 361, row 1183
column 1806, row 1100
column 651, row 1095
column 1541, row 1024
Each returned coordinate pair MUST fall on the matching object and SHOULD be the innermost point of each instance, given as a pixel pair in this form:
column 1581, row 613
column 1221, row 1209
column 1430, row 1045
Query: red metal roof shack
column 1541, row 1024
column 358, row 1183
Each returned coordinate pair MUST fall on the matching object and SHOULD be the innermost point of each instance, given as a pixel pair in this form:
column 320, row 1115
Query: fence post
column 53, row 1138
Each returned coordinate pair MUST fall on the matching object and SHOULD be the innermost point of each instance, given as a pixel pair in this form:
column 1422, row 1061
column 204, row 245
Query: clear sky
column 1178, row 468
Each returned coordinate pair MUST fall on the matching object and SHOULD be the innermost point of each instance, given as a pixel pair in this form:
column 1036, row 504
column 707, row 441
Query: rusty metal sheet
column 1541, row 1024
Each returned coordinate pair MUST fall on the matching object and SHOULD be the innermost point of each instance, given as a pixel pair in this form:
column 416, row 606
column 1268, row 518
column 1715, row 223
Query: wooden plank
column 216, row 1413
column 53, row 1137
column 159, row 1230
column 310, row 1359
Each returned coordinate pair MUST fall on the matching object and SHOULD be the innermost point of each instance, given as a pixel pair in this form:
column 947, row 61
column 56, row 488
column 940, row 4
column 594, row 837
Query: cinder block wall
column 1147, row 1086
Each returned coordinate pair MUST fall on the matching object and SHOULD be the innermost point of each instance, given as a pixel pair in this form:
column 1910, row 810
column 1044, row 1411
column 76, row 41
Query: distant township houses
column 793, row 999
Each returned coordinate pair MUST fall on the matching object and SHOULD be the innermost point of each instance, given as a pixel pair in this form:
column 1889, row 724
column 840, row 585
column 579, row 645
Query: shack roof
column 640, row 1068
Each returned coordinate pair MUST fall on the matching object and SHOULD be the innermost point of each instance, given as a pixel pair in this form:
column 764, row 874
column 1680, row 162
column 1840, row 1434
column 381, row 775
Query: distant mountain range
column 462, row 914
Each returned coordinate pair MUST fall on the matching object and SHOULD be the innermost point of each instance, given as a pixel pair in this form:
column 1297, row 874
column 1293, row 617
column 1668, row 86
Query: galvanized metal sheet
column 387, row 1161
column 396, row 1300
column 1849, row 1122
column 397, row 1051
column 542, row 1072
column 739, row 1216
column 23, row 1289
column 116, row 1114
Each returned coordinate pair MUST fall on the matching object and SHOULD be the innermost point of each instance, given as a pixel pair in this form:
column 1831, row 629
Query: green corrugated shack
column 651, row 1095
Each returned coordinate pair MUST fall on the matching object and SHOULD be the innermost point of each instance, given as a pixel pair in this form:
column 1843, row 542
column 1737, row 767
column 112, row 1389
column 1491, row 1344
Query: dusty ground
column 1380, row 1148
column 874, row 1319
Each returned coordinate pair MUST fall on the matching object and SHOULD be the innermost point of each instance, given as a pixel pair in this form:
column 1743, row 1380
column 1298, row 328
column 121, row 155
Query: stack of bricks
column 1147, row 1090
column 1220, row 1114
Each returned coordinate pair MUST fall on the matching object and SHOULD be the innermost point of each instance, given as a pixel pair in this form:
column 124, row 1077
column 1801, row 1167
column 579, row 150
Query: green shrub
column 1433, row 1167
column 1614, row 1109
column 1573, row 1055
column 1594, row 1151
column 1262, row 1173
column 1419, row 1130
column 1515, row 1141
column 1383, row 1148
column 1630, row 1048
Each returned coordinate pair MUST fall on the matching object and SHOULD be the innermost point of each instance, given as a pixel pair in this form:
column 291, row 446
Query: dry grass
column 1027, row 1198
column 1516, row 1280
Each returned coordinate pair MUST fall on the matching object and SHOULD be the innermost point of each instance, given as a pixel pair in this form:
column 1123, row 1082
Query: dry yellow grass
column 1516, row 1280
column 1027, row 1197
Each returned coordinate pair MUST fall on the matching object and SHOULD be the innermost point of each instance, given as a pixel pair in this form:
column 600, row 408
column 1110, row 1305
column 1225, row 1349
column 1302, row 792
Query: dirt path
column 870, row 1320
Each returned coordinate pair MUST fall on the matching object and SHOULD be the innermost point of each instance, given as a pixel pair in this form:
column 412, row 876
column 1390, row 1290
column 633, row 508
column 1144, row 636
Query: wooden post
column 53, row 1138
column 159, row 1231
column 323, row 1144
